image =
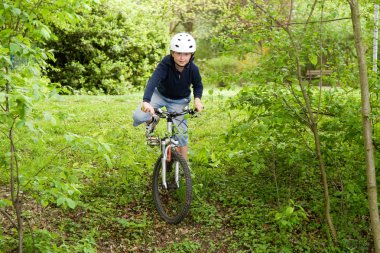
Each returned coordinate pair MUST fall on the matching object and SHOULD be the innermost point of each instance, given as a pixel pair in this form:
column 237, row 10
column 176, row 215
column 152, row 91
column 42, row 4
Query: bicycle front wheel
column 173, row 201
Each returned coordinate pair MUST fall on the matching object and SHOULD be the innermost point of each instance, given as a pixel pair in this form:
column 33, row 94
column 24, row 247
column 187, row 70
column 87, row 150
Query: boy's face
column 181, row 59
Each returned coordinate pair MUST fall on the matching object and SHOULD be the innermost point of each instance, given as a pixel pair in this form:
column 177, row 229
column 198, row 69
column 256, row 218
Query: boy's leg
column 183, row 150
column 140, row 117
column 181, row 123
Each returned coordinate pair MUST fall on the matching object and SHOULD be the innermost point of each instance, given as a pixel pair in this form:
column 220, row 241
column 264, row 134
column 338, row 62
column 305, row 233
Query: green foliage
column 21, row 82
column 87, row 172
column 184, row 246
column 236, row 199
column 290, row 216
column 63, row 190
column 205, row 213
column 42, row 241
column 113, row 49
column 23, row 32
column 45, row 241
column 229, row 70
column 283, row 142
column 255, row 29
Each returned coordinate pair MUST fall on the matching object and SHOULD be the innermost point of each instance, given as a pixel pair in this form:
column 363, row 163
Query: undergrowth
column 90, row 175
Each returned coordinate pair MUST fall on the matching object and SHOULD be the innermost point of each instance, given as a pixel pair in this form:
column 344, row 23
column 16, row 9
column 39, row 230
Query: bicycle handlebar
column 166, row 114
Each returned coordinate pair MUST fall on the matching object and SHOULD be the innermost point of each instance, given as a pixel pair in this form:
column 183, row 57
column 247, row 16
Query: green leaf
column 6, row 58
column 2, row 97
column 16, row 11
column 48, row 117
column 60, row 201
column 70, row 137
column 30, row 126
column 20, row 123
column 289, row 210
column 44, row 202
column 313, row 59
column 71, row 203
column 106, row 146
column 45, row 32
column 5, row 202
column 109, row 162
column 14, row 48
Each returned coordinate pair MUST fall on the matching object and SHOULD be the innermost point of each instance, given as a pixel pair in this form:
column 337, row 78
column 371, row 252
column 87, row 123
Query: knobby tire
column 173, row 204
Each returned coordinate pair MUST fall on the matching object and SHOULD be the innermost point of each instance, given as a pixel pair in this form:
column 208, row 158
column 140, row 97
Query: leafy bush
column 113, row 49
column 271, row 132
column 290, row 216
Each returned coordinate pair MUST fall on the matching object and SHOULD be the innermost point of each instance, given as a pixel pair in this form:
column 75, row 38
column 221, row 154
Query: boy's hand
column 146, row 107
column 198, row 104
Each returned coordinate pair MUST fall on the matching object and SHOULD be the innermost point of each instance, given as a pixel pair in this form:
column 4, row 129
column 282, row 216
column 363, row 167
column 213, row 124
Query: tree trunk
column 375, row 38
column 14, row 178
column 314, row 128
column 367, row 127
column 312, row 123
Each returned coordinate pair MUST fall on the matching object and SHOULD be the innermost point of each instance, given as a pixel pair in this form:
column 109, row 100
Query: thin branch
column 308, row 21
column 290, row 12
column 12, row 166
column 319, row 112
column 320, row 21
column 6, row 215
column 12, row 151
column 298, row 101
column 282, row 25
column 7, row 88
column 309, row 17
column 44, row 167
column 17, row 168
column 320, row 58
column 302, row 119
column 270, row 16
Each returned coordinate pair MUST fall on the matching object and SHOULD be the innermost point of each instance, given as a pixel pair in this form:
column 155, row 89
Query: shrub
column 112, row 49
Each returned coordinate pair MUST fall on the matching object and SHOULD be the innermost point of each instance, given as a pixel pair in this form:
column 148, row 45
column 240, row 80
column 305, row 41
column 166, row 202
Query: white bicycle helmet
column 183, row 43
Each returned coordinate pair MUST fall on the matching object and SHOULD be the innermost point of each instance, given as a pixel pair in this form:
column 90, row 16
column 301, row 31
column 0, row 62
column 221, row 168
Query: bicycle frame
column 168, row 142
column 166, row 156
column 166, row 145
column 171, row 180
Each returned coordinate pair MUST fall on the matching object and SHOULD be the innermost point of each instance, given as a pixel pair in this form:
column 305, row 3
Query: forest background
column 278, row 160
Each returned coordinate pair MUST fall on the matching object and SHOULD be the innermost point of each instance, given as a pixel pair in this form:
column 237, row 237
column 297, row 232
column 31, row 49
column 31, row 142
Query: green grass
column 89, row 154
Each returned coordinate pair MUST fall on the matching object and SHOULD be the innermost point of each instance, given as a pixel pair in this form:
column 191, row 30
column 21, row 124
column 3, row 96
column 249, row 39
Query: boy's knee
column 139, row 117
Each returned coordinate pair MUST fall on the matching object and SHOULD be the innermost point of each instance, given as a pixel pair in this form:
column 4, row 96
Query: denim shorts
column 172, row 105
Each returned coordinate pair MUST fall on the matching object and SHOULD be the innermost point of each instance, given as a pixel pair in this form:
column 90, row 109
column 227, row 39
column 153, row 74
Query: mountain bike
column 172, row 186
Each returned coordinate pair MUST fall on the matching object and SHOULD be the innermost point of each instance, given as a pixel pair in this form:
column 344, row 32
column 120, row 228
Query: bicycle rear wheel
column 172, row 203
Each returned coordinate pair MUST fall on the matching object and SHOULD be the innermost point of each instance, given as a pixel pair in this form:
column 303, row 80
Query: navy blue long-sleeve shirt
column 174, row 84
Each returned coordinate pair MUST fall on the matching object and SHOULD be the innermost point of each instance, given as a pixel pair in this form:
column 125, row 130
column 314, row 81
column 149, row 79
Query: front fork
column 166, row 157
